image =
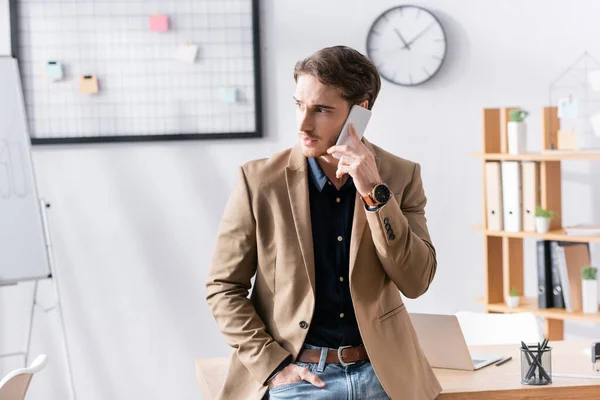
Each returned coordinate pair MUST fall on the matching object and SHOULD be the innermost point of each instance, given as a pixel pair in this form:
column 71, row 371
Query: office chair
column 496, row 329
column 14, row 385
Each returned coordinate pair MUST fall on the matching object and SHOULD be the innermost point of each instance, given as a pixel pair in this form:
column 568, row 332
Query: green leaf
column 589, row 273
column 540, row 212
column 517, row 115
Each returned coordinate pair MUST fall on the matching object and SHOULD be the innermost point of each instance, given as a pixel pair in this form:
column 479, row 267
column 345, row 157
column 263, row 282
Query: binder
column 531, row 190
column 493, row 196
column 572, row 257
column 564, row 277
column 511, row 196
column 544, row 264
column 557, row 293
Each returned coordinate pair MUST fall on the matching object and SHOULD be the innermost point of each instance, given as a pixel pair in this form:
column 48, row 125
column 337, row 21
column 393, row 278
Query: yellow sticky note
column 88, row 84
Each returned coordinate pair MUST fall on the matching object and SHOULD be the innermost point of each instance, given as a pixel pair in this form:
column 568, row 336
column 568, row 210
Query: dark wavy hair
column 343, row 68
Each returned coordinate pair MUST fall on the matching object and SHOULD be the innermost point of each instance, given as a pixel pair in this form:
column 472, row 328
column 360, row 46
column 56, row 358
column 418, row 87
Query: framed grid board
column 147, row 84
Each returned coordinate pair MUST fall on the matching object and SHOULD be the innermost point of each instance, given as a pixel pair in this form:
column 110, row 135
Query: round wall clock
column 407, row 44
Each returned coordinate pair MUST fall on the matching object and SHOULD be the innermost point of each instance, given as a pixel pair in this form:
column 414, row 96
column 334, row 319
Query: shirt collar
column 319, row 178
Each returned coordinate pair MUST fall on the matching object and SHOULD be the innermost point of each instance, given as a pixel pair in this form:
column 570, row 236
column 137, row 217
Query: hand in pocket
column 295, row 373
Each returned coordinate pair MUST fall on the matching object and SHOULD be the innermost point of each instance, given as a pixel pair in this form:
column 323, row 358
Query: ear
column 364, row 104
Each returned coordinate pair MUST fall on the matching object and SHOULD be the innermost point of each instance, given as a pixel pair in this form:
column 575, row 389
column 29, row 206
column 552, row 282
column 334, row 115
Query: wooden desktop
column 491, row 382
column 504, row 382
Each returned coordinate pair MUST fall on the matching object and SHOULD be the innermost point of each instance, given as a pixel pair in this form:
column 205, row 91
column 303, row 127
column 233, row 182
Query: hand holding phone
column 359, row 117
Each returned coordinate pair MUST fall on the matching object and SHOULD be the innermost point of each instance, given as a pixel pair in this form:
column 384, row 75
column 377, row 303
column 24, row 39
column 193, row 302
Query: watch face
column 407, row 44
column 382, row 193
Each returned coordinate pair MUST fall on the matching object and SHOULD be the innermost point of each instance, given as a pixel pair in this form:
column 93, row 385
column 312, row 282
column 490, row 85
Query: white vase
column 512, row 301
column 589, row 293
column 542, row 224
column 517, row 137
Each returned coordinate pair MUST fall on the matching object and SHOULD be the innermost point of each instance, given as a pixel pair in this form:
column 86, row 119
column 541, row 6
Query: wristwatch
column 378, row 196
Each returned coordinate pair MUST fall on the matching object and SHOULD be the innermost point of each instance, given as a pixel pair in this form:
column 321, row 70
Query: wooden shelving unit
column 555, row 155
column 503, row 251
column 529, row 304
column 558, row 234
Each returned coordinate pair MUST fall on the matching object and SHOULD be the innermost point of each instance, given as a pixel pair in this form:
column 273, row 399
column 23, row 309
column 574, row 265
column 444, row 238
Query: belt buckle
column 339, row 354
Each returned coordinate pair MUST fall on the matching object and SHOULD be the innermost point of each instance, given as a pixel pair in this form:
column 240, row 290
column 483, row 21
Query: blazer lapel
column 296, row 175
column 360, row 218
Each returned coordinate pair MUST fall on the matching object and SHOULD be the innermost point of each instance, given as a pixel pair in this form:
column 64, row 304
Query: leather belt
column 345, row 355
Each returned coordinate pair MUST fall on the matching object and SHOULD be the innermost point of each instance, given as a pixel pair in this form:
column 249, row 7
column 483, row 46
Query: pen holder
column 536, row 365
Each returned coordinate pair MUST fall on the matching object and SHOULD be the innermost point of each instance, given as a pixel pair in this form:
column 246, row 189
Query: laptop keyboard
column 475, row 361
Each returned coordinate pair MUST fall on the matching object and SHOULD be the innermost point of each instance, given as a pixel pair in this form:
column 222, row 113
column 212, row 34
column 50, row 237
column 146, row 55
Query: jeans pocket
column 309, row 366
column 287, row 386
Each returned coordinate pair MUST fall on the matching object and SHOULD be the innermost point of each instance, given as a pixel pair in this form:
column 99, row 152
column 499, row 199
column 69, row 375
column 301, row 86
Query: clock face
column 407, row 44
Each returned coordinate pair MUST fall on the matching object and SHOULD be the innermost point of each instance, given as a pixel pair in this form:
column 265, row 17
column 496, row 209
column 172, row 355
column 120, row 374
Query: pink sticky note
column 159, row 23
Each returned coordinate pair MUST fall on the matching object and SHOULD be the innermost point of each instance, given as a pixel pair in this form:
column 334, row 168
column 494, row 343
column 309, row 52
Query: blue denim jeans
column 353, row 382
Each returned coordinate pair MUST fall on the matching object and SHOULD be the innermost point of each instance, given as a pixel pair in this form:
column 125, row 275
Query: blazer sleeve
column 234, row 263
column 402, row 240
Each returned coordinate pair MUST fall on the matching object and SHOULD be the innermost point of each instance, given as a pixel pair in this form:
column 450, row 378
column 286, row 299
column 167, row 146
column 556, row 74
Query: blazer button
column 386, row 220
column 303, row 325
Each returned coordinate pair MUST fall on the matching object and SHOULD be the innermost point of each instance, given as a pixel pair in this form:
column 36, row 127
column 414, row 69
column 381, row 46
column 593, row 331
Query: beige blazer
column 266, row 231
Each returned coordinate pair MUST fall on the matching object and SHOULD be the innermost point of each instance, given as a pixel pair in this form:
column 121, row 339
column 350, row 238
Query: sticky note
column 159, row 23
column 567, row 108
column 187, row 52
column 54, row 70
column 228, row 94
column 88, row 84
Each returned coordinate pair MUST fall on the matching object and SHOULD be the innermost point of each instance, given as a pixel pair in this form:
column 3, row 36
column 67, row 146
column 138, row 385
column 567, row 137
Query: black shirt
column 331, row 213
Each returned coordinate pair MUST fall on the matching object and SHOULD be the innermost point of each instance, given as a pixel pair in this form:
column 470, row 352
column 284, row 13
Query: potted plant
column 542, row 219
column 589, row 289
column 517, row 131
column 512, row 300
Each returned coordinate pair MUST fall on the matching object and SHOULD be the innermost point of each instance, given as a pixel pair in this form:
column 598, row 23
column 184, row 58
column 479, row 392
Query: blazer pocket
column 392, row 312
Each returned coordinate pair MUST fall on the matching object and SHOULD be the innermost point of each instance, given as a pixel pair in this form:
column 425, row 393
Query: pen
column 499, row 363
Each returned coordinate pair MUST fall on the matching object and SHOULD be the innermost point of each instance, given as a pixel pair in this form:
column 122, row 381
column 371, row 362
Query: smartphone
column 359, row 117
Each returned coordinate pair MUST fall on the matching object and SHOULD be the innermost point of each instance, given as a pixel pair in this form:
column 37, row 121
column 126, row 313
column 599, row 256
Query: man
column 329, row 242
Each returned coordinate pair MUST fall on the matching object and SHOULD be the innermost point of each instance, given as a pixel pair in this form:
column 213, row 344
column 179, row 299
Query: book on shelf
column 557, row 291
column 559, row 274
column 583, row 230
column 544, row 263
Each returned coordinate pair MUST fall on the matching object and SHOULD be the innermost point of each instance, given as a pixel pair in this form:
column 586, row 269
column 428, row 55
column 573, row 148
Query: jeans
column 354, row 382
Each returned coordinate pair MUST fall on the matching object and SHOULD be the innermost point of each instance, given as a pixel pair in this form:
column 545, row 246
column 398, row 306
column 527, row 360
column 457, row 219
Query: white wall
column 134, row 225
column 4, row 28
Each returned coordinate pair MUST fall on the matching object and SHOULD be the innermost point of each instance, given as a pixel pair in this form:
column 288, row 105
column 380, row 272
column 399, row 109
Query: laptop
column 444, row 344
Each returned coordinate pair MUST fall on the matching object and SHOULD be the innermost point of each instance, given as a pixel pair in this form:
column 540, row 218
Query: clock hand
column 406, row 45
column 419, row 35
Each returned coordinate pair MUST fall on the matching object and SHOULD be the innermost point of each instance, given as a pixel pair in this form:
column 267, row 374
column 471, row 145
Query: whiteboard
column 145, row 90
column 23, row 253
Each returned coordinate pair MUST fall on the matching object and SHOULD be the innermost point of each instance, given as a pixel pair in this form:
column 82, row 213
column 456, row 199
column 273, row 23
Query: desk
column 491, row 382
column 504, row 382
